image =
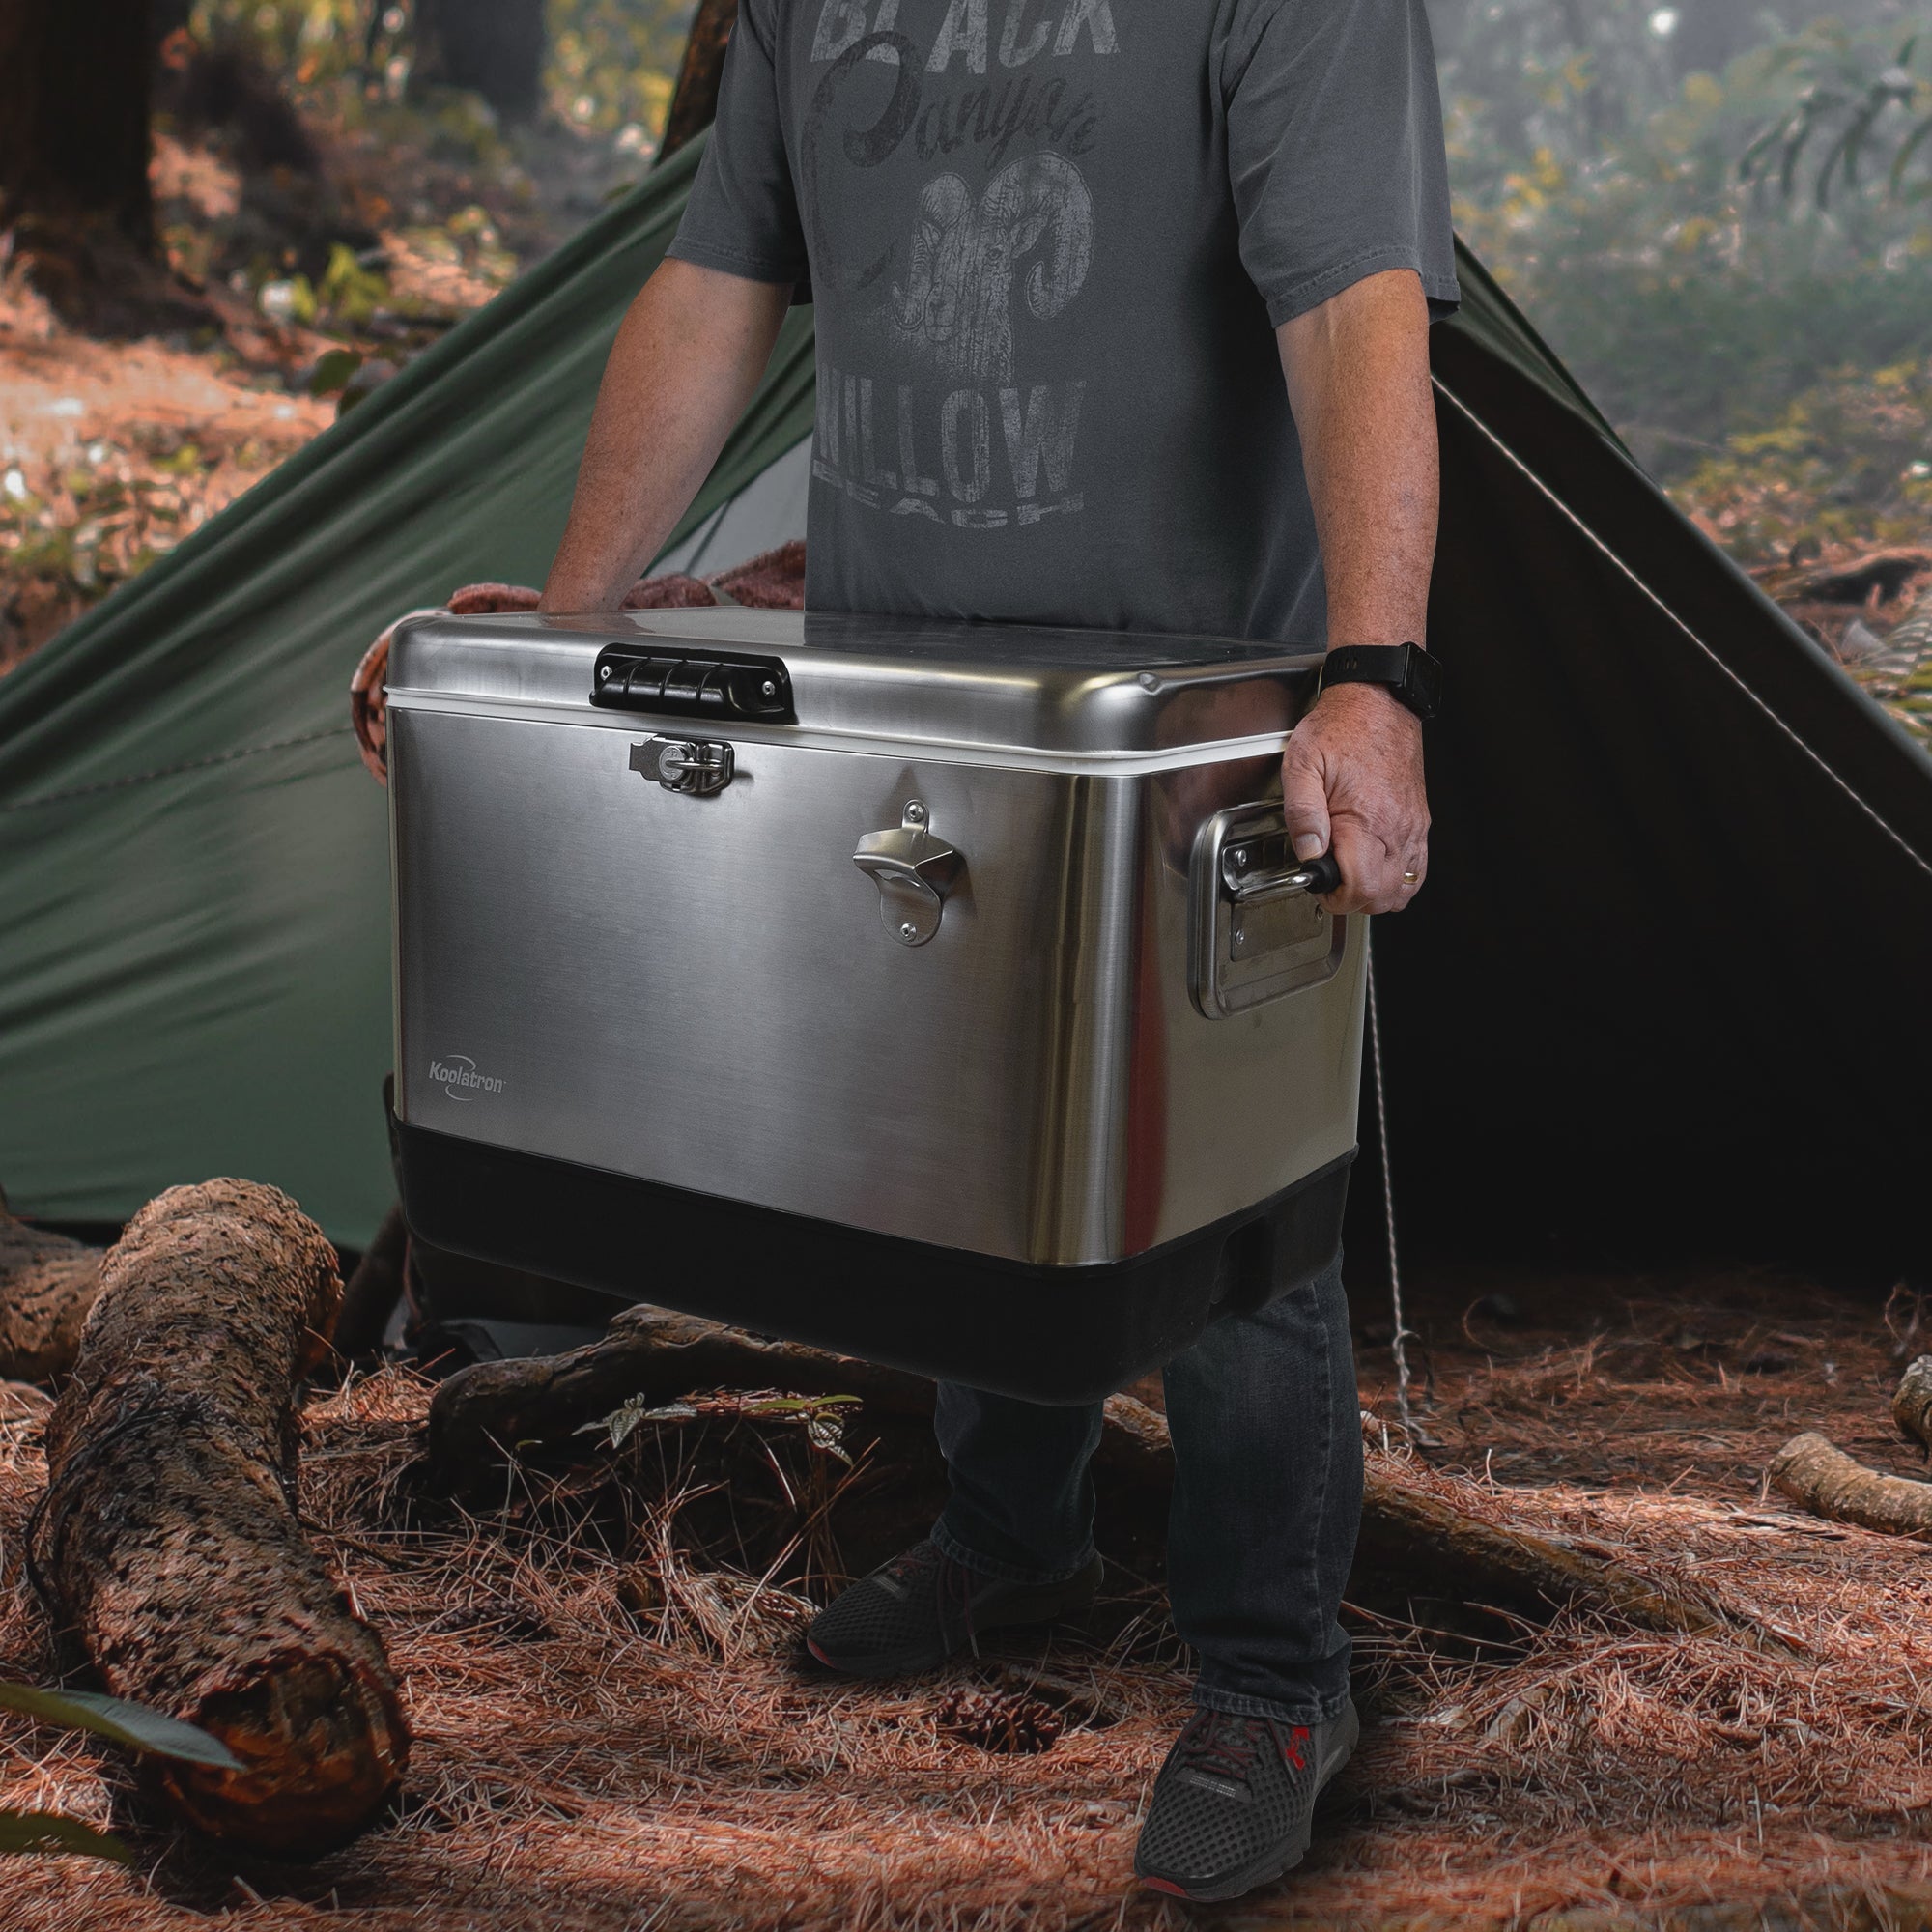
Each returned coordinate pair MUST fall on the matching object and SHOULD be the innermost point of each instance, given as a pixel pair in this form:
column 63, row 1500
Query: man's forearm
column 1357, row 371
column 684, row 365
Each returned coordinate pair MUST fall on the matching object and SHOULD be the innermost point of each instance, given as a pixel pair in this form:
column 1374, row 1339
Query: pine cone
column 1008, row 1722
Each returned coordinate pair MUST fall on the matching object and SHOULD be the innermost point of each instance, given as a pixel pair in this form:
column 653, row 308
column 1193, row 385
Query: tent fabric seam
column 1817, row 758
column 172, row 770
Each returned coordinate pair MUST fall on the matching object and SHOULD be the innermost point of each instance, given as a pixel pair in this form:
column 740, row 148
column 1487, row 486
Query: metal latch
column 697, row 766
column 912, row 870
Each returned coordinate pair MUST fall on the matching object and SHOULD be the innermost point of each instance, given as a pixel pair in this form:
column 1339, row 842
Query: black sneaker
column 913, row 1613
column 1233, row 1803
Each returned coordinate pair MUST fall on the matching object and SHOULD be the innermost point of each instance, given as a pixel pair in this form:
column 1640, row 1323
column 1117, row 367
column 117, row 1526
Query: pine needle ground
column 614, row 1730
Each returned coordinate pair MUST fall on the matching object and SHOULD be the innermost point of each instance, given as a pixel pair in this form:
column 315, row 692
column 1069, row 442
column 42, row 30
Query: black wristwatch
column 1412, row 676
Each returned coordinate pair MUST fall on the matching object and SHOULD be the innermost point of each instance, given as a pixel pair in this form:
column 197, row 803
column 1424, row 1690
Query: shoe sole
column 917, row 1663
column 1271, row 1864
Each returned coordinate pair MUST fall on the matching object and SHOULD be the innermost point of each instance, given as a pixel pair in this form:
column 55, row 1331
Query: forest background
column 1718, row 211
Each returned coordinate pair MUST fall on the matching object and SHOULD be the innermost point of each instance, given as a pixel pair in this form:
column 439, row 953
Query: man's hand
column 1357, row 372
column 1351, row 784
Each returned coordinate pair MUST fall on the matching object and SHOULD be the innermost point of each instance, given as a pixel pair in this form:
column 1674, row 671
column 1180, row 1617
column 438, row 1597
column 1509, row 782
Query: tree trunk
column 495, row 48
column 1413, row 1530
column 48, row 1284
column 73, row 113
column 694, row 100
column 168, row 1546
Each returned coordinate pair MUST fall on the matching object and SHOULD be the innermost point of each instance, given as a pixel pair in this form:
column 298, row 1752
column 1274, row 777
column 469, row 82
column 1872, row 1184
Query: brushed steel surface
column 1097, row 691
column 698, row 990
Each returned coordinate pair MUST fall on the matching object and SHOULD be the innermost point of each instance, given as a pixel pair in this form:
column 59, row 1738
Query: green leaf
column 332, row 371
column 132, row 1724
column 49, row 1834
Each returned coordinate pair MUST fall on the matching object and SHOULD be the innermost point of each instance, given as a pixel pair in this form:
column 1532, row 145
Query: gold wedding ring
column 1409, row 878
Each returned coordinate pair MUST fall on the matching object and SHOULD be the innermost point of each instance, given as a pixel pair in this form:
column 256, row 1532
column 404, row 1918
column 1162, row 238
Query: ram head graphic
column 958, row 297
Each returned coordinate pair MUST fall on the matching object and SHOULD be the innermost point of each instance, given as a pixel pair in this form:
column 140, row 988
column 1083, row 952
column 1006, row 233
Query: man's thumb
column 1305, row 806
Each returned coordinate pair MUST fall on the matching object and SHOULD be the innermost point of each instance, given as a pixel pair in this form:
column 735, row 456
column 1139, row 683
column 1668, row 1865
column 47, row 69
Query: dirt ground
column 614, row 1733
column 281, row 287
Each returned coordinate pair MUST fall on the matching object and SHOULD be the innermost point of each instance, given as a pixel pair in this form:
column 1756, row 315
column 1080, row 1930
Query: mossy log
column 48, row 1284
column 167, row 1548
column 1822, row 1478
column 1411, row 1525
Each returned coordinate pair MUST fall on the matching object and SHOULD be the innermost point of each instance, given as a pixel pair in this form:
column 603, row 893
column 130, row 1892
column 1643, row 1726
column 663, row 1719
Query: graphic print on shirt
column 946, row 423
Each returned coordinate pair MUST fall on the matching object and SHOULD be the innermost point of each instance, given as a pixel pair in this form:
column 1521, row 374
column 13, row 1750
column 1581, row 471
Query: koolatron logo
column 459, row 1078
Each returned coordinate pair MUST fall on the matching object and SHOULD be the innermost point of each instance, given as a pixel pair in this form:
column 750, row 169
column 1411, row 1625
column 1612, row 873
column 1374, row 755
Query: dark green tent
column 1660, row 989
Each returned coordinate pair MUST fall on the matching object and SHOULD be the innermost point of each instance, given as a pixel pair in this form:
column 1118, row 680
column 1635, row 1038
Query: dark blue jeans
column 1268, row 1494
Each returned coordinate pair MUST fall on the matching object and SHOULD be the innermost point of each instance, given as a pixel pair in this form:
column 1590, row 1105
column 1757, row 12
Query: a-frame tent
column 1661, row 993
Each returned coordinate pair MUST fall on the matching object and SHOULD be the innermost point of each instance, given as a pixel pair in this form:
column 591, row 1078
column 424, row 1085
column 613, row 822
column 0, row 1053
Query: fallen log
column 486, row 1415
column 48, row 1284
column 1820, row 1477
column 167, row 1547
column 1407, row 1528
column 482, row 1414
column 1911, row 1403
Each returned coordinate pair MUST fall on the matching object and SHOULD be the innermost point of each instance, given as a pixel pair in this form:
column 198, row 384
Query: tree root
column 167, row 1546
column 1412, row 1527
column 1820, row 1477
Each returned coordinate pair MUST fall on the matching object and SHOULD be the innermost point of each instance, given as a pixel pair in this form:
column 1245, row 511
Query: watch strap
column 1411, row 675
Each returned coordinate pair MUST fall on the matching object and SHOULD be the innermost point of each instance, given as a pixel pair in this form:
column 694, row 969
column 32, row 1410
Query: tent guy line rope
column 1402, row 1334
column 172, row 770
column 1870, row 810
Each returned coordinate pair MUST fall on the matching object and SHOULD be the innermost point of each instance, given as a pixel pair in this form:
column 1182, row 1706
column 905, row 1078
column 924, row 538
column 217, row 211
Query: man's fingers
column 1375, row 870
column 1304, row 805
column 1363, row 859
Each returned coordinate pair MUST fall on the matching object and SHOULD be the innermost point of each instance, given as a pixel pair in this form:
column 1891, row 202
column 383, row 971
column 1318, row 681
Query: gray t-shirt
column 1048, row 242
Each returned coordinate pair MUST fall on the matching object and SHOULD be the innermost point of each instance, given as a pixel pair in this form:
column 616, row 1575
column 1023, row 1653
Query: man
column 1064, row 254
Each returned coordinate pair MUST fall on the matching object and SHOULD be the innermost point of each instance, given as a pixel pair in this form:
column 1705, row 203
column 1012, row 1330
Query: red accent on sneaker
column 1292, row 1751
column 820, row 1655
column 1166, row 1884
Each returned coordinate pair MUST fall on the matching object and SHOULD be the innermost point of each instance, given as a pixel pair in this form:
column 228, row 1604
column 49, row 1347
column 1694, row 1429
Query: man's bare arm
column 685, row 363
column 1357, row 371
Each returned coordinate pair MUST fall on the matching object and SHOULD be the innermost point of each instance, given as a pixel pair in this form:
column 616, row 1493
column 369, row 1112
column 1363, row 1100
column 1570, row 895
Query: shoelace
column 952, row 1587
column 1223, row 1745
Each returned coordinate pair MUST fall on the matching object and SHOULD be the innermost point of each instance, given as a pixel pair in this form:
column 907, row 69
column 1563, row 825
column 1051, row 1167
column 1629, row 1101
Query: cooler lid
column 905, row 681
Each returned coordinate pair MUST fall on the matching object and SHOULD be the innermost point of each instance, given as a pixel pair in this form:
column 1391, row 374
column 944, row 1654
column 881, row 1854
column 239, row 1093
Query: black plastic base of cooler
column 1049, row 1334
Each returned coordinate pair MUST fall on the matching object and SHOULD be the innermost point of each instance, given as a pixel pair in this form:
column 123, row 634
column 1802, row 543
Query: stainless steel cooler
column 939, row 993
